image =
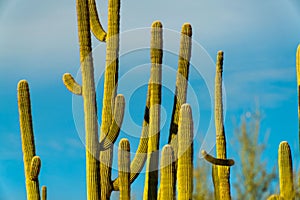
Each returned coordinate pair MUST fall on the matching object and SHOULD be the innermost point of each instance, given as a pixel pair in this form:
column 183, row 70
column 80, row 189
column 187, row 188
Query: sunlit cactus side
column 185, row 153
column 151, row 180
column 298, row 84
column 285, row 171
column 124, row 169
column 167, row 188
column 275, row 197
column 32, row 163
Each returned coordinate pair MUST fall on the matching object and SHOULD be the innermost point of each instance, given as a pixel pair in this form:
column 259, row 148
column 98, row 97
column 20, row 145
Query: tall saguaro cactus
column 150, row 190
column 32, row 163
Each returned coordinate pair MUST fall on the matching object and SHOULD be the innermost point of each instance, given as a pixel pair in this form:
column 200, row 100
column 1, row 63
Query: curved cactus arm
column 151, row 180
column 285, row 171
column 44, row 193
column 298, row 84
column 185, row 153
column 71, row 84
column 181, row 79
column 217, row 161
column 124, row 169
column 275, row 197
column 28, row 147
column 96, row 26
column 114, row 129
column 139, row 159
column 35, row 168
column 223, row 171
column 110, row 90
column 167, row 175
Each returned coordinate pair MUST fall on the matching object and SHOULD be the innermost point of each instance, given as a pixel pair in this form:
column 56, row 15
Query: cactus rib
column 71, row 84
column 217, row 161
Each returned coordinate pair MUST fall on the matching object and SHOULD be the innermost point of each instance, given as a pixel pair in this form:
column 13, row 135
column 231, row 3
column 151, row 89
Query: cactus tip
column 187, row 29
column 156, row 24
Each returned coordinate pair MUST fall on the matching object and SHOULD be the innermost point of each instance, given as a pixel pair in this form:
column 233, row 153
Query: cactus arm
column 285, row 171
column 217, row 161
column 44, row 193
column 28, row 147
column 141, row 154
column 151, row 180
column 298, row 84
column 167, row 180
column 110, row 89
column 185, row 153
column 181, row 79
column 124, row 169
column 114, row 129
column 223, row 171
column 71, row 84
column 89, row 102
column 96, row 26
column 35, row 167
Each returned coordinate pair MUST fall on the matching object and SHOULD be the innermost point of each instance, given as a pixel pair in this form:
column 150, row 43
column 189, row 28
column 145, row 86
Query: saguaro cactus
column 32, row 163
column 151, row 180
column 185, row 153
column 124, row 169
column 298, row 84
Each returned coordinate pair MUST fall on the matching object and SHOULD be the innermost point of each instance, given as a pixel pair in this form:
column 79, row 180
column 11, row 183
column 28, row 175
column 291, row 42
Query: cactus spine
column 32, row 163
column 151, row 180
column 185, row 153
column 167, row 175
column 285, row 171
column 124, row 169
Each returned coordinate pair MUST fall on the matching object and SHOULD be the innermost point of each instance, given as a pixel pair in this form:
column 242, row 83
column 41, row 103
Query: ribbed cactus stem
column 28, row 147
column 35, row 167
column 217, row 161
column 151, row 180
column 124, row 169
column 285, row 171
column 223, row 171
column 96, row 26
column 216, row 181
column 275, row 197
column 167, row 175
column 44, row 193
column 298, row 84
column 71, row 84
column 89, row 101
column 185, row 153
column 141, row 154
column 181, row 80
column 110, row 89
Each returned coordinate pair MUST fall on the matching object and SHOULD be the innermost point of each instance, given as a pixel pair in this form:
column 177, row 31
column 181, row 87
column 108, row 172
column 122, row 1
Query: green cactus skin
column 185, row 153
column 35, row 167
column 223, row 171
column 167, row 175
column 181, row 80
column 44, row 193
column 89, row 101
column 71, row 84
column 298, row 84
column 151, row 180
column 28, row 147
column 96, row 26
column 110, row 89
column 141, row 154
column 285, row 171
column 124, row 169
column 217, row 161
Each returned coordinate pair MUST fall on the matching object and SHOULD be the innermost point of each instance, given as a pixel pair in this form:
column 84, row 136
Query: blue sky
column 38, row 42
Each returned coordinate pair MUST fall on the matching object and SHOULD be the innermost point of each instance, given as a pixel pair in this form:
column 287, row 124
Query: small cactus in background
column 32, row 163
column 124, row 169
